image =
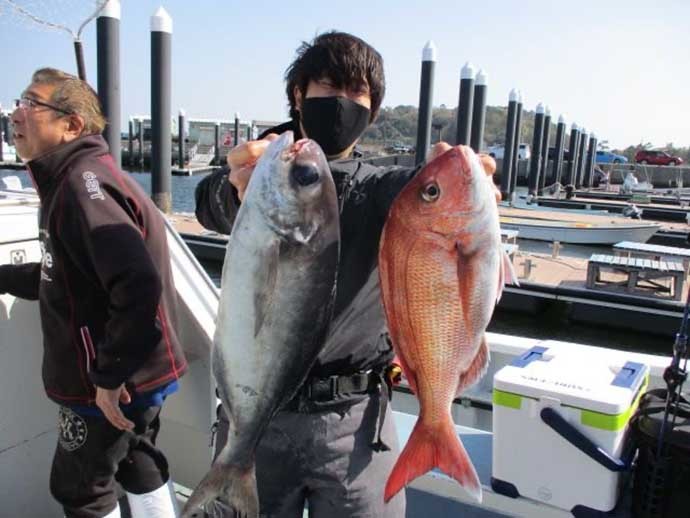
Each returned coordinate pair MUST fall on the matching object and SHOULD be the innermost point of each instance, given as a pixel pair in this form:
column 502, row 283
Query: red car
column 655, row 157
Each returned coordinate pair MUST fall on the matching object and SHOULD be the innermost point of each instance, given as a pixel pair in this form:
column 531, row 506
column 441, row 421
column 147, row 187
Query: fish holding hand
column 442, row 270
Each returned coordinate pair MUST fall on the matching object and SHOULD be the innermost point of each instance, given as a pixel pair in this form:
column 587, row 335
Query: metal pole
column 544, row 151
column 508, row 147
column 426, row 91
column 478, row 112
column 558, row 156
column 130, row 143
column 591, row 160
column 161, row 152
column 2, row 135
column 79, row 54
column 180, row 139
column 581, row 155
column 535, row 160
column 249, row 132
column 140, row 137
column 216, row 141
column 237, row 129
column 569, row 177
column 108, row 45
column 516, row 146
column 465, row 105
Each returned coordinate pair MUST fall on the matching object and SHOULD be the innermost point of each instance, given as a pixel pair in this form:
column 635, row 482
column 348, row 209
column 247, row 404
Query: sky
column 617, row 67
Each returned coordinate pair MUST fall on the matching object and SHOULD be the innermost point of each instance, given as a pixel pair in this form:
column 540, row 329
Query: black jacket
column 357, row 339
column 105, row 290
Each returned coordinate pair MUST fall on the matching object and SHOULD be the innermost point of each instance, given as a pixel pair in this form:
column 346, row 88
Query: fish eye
column 431, row 192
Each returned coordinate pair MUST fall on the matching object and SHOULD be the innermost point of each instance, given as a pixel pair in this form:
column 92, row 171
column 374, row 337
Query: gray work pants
column 325, row 459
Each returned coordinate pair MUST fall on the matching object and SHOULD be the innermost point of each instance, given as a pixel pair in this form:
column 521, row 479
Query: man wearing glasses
column 107, row 304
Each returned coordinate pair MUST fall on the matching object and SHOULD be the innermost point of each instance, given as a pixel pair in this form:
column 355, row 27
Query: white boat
column 28, row 419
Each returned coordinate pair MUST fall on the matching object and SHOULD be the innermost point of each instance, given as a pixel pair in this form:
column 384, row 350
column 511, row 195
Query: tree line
column 399, row 125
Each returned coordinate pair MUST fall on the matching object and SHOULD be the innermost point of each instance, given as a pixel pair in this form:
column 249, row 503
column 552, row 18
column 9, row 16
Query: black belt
column 328, row 389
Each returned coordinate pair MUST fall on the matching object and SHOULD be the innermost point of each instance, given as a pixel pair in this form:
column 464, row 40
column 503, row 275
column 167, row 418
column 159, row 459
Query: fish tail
column 237, row 487
column 428, row 448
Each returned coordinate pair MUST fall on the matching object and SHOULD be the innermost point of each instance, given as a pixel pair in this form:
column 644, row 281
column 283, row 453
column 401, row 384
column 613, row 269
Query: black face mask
column 333, row 122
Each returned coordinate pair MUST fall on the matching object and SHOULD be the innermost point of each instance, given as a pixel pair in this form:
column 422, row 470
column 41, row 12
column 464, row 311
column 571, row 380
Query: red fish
column 442, row 271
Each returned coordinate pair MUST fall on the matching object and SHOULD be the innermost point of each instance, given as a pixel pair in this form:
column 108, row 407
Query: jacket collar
column 48, row 169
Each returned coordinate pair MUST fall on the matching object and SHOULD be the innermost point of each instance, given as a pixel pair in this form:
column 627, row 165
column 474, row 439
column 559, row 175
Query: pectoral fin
column 476, row 370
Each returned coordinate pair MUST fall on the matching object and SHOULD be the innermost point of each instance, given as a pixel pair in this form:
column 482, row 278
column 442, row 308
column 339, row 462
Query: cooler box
column 560, row 423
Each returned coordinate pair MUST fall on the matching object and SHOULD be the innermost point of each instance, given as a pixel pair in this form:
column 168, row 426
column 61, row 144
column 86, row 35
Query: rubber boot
column 159, row 503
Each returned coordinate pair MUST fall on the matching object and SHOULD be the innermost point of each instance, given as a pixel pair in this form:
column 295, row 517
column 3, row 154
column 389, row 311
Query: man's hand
column 243, row 158
column 109, row 403
column 487, row 161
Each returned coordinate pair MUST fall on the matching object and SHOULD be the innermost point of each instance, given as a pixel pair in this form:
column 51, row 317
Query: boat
column 575, row 227
column 28, row 419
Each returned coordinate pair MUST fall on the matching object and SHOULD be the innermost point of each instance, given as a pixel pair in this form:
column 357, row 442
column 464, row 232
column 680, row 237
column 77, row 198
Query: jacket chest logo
column 92, row 186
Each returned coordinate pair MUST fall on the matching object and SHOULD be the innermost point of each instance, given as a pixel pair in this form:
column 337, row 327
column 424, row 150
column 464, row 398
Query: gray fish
column 277, row 293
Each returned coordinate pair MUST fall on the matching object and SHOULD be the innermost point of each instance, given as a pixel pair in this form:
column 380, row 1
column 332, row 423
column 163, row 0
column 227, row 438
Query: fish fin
column 477, row 369
column 237, row 486
column 266, row 282
column 509, row 276
column 428, row 448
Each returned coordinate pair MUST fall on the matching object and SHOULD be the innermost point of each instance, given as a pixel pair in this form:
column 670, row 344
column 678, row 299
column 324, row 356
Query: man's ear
column 74, row 127
column 298, row 98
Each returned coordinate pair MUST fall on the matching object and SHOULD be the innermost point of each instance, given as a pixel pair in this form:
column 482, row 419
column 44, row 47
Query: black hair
column 344, row 59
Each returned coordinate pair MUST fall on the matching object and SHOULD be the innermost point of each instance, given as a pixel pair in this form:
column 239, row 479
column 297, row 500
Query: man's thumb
column 125, row 397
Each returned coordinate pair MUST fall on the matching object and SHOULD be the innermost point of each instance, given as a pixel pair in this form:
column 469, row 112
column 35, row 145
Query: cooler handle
column 583, row 443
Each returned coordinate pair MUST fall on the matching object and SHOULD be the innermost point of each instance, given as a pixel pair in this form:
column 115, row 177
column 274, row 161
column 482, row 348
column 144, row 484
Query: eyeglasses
column 27, row 103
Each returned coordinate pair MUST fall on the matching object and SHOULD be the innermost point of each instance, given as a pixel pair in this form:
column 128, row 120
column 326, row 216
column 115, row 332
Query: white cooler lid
column 581, row 381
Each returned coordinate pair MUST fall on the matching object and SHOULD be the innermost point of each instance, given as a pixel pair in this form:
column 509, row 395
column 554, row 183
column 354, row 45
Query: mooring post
column 237, row 129
column 478, row 112
column 216, row 143
column 516, row 147
column 426, row 91
column 161, row 142
column 108, row 56
column 535, row 159
column 544, row 151
column 581, row 156
column 508, row 147
column 130, row 142
column 591, row 161
column 558, row 155
column 569, row 178
column 466, row 99
column 180, row 137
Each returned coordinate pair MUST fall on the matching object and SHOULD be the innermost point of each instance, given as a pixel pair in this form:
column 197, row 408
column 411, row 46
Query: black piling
column 130, row 142
column 250, row 135
column 426, row 90
column 2, row 135
column 180, row 139
column 478, row 112
column 535, row 159
column 558, row 155
column 581, row 156
column 591, row 160
column 543, row 169
column 465, row 103
column 516, row 147
column 108, row 52
column 140, row 138
column 569, row 178
column 508, row 147
column 237, row 129
column 161, row 174
column 216, row 144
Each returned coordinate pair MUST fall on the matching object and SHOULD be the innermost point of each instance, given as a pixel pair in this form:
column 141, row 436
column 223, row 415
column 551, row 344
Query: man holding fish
column 331, row 442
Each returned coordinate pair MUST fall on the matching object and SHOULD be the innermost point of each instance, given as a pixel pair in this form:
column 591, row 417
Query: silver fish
column 277, row 294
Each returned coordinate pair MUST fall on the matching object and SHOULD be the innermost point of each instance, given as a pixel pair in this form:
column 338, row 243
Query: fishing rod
column 78, row 47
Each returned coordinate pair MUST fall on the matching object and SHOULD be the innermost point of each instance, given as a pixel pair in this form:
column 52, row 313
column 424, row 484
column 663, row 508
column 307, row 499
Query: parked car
column 656, row 157
column 497, row 151
column 398, row 148
column 606, row 157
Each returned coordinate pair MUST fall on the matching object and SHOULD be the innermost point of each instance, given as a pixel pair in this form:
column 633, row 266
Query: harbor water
column 552, row 325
